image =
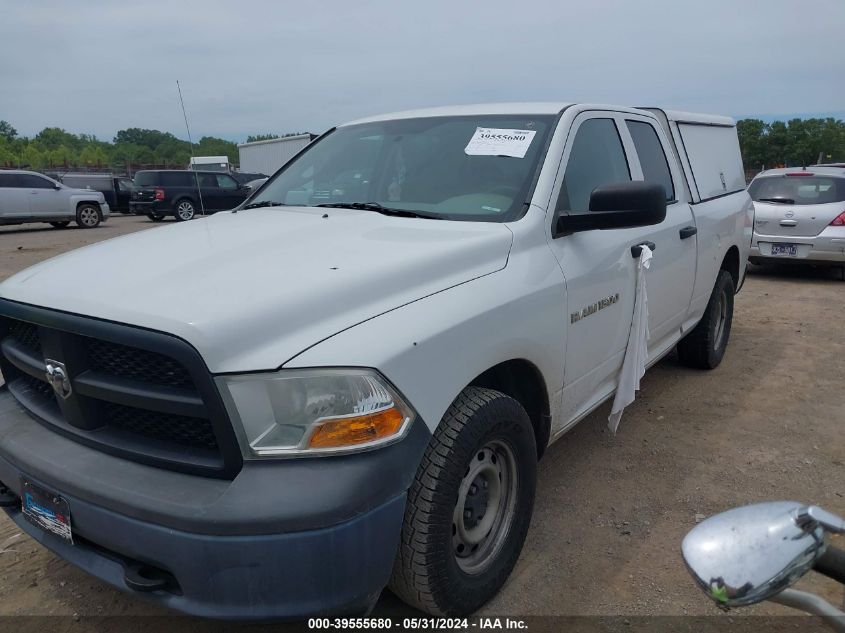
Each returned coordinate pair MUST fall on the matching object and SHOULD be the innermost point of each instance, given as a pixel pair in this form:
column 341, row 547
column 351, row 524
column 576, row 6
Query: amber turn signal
column 359, row 429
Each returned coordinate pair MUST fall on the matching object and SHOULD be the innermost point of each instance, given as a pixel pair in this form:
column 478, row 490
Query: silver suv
column 27, row 196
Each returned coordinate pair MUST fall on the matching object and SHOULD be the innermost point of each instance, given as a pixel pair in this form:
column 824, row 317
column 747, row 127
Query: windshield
column 459, row 168
column 797, row 189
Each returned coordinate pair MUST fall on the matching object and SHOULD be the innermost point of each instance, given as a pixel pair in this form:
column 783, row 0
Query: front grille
column 136, row 364
column 38, row 388
column 179, row 429
column 26, row 334
column 143, row 395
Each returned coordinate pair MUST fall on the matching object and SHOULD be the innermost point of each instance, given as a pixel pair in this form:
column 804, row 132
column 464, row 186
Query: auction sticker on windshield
column 491, row 141
column 46, row 510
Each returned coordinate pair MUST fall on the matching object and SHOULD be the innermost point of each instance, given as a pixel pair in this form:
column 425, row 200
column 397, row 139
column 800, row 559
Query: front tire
column 470, row 506
column 704, row 347
column 155, row 217
column 88, row 216
column 60, row 225
column 185, row 210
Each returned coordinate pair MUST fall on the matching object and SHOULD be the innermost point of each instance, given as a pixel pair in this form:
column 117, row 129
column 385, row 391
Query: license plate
column 46, row 510
column 785, row 249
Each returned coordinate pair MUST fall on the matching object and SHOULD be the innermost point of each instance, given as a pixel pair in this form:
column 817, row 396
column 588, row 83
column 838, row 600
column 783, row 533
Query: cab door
column 671, row 276
column 210, row 192
column 14, row 199
column 230, row 193
column 598, row 266
column 45, row 201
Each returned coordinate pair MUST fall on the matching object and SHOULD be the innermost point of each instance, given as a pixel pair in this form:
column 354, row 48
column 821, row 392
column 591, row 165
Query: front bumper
column 827, row 247
column 284, row 539
column 105, row 210
column 335, row 570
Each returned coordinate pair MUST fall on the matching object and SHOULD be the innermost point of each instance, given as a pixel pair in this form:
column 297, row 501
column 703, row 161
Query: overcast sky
column 277, row 66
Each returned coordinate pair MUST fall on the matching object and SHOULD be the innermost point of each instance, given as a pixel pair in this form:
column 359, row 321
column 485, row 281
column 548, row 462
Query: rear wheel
column 60, row 225
column 88, row 216
column 185, row 210
column 469, row 507
column 705, row 346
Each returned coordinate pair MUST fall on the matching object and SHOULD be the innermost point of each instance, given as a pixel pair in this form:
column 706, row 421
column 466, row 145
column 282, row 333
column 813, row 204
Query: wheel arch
column 93, row 203
column 184, row 196
column 730, row 263
column 522, row 380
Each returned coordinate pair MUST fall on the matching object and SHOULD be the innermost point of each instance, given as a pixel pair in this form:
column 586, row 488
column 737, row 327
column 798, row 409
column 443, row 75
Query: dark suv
column 173, row 192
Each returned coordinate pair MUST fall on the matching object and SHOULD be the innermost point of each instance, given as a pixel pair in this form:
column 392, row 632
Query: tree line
column 797, row 142
column 55, row 148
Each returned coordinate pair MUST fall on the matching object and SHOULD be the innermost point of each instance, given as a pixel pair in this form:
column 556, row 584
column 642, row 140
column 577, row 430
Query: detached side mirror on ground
column 756, row 552
column 618, row 206
column 749, row 554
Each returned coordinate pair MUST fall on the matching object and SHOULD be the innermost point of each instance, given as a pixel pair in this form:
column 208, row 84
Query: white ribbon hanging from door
column 633, row 367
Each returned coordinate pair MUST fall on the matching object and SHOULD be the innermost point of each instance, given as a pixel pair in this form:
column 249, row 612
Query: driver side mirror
column 618, row 206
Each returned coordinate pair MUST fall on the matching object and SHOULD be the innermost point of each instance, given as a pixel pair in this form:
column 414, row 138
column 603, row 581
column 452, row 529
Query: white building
column 265, row 157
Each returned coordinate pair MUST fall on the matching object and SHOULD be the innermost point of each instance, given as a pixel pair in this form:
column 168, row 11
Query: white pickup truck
column 385, row 338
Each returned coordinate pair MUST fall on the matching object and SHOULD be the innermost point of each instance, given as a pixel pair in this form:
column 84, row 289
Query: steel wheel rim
column 721, row 319
column 484, row 511
column 186, row 210
column 88, row 216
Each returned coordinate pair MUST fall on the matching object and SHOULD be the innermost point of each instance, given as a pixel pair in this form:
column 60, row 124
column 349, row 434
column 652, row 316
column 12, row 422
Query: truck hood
column 252, row 289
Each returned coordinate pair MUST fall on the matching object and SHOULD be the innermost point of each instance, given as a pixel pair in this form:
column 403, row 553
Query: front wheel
column 155, row 217
column 470, row 506
column 60, row 225
column 88, row 216
column 704, row 347
column 185, row 210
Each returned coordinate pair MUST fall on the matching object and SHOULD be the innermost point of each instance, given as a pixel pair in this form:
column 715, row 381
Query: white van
column 211, row 163
column 386, row 337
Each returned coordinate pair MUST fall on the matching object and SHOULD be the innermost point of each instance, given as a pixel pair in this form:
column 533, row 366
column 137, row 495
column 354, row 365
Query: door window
column 9, row 181
column 207, row 180
column 597, row 158
column 226, row 182
column 34, row 182
column 652, row 158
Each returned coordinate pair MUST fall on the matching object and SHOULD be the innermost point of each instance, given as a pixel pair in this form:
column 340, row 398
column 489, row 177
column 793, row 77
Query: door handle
column 636, row 250
column 688, row 231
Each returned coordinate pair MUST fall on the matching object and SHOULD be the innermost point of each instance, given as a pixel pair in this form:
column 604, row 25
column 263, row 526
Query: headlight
column 296, row 412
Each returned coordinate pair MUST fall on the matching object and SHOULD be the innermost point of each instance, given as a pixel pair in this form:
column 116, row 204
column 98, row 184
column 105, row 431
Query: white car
column 27, row 196
column 383, row 342
column 799, row 215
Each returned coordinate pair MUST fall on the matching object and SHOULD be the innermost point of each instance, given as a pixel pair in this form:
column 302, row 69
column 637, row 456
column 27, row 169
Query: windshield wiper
column 379, row 208
column 780, row 200
column 263, row 203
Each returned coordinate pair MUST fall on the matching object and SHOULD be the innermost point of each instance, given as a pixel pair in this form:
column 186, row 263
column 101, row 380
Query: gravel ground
column 611, row 511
